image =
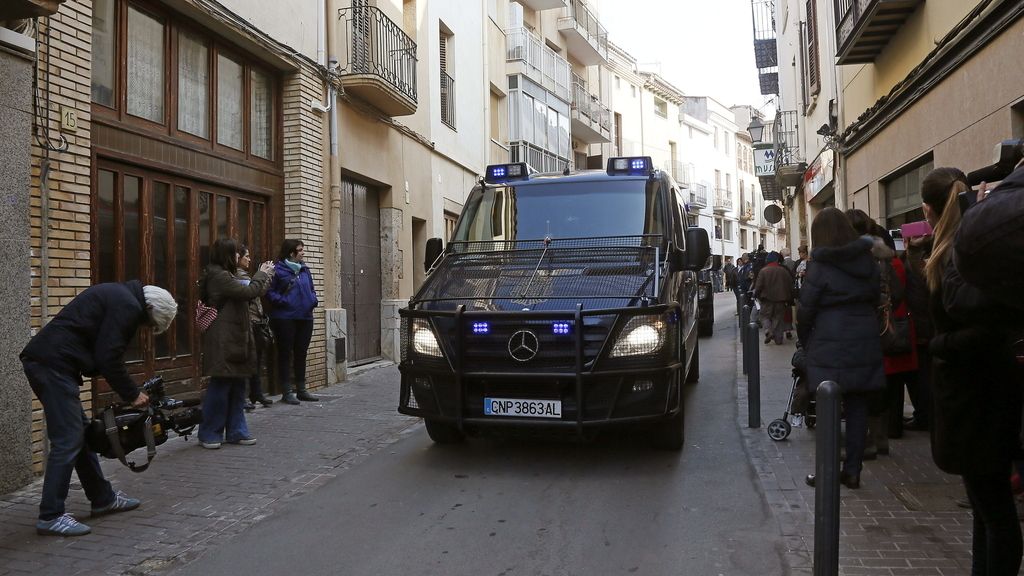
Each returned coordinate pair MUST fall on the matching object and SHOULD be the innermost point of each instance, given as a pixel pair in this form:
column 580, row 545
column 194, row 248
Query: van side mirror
column 698, row 249
column 434, row 248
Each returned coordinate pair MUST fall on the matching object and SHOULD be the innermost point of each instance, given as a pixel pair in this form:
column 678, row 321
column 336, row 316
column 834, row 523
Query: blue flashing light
column 498, row 173
column 560, row 328
column 481, row 328
column 630, row 165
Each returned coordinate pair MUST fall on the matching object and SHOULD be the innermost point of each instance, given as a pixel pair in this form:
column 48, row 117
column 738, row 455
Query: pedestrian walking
column 293, row 298
column 977, row 399
column 229, row 350
column 87, row 337
column 838, row 326
column 774, row 289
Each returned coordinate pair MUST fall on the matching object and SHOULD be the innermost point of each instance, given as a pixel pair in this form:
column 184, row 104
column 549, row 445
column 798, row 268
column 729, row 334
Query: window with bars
column 447, row 82
column 180, row 80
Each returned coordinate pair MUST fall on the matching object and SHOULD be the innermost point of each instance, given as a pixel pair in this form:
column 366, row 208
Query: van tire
column 670, row 434
column 443, row 433
column 693, row 373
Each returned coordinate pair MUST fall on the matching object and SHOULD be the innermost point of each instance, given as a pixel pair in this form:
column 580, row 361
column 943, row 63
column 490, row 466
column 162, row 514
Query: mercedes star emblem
column 523, row 345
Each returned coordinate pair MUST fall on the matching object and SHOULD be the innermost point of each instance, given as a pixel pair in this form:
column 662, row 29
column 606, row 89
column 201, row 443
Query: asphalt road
column 505, row 507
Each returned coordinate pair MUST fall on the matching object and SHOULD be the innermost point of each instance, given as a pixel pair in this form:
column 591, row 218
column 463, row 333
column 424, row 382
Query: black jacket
column 89, row 336
column 976, row 387
column 838, row 321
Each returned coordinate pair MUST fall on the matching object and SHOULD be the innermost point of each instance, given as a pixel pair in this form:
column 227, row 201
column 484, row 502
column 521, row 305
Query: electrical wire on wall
column 41, row 108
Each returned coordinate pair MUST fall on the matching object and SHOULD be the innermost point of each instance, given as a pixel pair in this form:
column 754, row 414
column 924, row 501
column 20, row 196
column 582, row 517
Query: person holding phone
column 293, row 297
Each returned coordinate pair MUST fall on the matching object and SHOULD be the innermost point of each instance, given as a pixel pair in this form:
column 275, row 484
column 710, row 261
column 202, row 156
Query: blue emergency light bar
column 630, row 165
column 481, row 328
column 499, row 173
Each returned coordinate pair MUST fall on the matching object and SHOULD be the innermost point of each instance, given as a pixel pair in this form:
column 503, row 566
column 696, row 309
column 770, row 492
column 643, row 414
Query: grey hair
column 161, row 306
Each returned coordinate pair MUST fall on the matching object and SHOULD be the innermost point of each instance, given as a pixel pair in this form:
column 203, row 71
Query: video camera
column 118, row 429
column 1008, row 154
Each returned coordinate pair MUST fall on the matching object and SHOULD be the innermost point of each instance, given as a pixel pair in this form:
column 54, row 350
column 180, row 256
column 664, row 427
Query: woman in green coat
column 229, row 352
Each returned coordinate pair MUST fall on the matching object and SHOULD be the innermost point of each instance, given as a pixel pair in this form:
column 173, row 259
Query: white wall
column 293, row 23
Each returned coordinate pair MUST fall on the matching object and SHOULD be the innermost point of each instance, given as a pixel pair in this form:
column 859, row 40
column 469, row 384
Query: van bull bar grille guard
column 665, row 361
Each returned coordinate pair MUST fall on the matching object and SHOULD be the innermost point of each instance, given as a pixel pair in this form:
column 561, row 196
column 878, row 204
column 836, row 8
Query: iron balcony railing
column 379, row 47
column 723, row 200
column 699, row 196
column 864, row 27
column 543, row 65
column 588, row 105
column 786, row 138
column 447, row 100
column 538, row 158
column 587, row 22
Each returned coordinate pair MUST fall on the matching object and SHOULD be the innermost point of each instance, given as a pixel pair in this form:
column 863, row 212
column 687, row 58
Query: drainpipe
column 334, row 164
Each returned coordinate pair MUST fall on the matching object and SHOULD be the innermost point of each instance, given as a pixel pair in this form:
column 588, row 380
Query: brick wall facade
column 304, row 205
column 68, row 61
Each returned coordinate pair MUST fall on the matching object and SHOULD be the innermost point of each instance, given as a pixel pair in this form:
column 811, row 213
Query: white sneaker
column 797, row 420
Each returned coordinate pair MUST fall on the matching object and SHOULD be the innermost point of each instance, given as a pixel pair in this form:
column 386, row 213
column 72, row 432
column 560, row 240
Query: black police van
column 563, row 301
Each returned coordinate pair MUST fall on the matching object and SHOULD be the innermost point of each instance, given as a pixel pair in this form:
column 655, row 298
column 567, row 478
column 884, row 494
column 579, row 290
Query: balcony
column 865, row 27
column 699, row 196
column 18, row 9
column 586, row 38
column 537, row 62
column 723, row 201
column 681, row 173
column 789, row 162
column 447, row 100
column 380, row 61
column 542, row 4
column 539, row 159
column 746, row 212
column 590, row 119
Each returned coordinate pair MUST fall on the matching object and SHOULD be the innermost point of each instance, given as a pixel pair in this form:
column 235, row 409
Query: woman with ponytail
column 977, row 405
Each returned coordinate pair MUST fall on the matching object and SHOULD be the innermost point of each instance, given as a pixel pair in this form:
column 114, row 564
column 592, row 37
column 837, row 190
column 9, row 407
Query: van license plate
column 523, row 408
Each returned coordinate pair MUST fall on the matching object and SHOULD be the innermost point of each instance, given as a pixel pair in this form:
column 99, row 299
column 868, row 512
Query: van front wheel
column 443, row 433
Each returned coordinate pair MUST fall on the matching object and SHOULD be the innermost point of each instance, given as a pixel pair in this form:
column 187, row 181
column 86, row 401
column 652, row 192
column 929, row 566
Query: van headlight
column 641, row 335
column 423, row 339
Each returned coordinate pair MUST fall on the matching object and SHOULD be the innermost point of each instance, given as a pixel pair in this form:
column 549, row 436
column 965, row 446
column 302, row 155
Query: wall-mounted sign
column 68, row 119
column 773, row 213
column 764, row 159
column 819, row 174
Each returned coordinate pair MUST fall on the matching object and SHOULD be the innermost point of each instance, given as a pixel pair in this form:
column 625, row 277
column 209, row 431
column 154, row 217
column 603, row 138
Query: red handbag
column 205, row 315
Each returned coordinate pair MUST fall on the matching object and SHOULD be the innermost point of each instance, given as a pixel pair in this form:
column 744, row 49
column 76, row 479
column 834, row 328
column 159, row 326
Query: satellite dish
column 773, row 213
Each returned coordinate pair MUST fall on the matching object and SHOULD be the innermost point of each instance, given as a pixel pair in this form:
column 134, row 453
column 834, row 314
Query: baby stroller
column 801, row 401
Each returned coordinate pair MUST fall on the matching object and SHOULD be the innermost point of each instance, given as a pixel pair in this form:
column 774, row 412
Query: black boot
column 262, row 400
column 287, row 397
column 301, row 393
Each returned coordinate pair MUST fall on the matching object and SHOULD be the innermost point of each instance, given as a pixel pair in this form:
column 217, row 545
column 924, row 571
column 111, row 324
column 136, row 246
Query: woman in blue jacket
column 292, row 298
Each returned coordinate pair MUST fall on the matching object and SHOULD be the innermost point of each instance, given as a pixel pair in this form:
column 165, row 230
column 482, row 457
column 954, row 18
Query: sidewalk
column 194, row 498
column 902, row 521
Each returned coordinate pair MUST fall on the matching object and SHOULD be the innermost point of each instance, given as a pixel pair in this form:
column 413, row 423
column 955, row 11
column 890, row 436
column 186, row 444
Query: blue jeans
column 223, row 411
column 293, row 338
column 65, row 428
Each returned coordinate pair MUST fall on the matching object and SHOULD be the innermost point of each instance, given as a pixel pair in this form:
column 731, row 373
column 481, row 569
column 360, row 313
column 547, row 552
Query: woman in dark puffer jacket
column 838, row 326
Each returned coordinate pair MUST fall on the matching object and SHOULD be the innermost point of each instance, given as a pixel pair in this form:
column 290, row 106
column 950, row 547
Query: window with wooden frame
column 158, row 228
column 156, row 70
column 813, row 62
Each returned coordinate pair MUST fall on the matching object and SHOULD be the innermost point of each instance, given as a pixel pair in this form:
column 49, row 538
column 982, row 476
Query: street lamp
column 756, row 130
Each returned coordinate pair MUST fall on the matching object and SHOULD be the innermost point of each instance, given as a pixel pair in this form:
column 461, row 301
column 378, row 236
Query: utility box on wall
column 336, row 342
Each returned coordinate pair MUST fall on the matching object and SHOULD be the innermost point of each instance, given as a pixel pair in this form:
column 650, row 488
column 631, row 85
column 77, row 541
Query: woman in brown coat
column 229, row 351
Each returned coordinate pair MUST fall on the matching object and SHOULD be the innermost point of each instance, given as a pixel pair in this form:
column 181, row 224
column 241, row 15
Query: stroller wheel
column 779, row 429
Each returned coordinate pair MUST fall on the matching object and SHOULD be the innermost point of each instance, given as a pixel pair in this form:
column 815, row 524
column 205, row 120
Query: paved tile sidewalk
column 902, row 521
column 195, row 498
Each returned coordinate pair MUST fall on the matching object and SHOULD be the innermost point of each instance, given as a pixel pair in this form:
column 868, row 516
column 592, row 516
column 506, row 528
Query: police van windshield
column 562, row 210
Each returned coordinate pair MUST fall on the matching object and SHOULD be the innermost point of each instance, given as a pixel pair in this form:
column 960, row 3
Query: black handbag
column 896, row 336
column 263, row 334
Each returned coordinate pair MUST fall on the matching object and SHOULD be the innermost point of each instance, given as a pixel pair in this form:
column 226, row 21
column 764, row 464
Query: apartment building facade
column 873, row 95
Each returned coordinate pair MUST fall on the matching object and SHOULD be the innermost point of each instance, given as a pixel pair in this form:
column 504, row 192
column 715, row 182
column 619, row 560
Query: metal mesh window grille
column 145, row 66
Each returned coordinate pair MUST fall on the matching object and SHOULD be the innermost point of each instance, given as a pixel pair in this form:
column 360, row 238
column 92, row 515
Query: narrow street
column 508, row 506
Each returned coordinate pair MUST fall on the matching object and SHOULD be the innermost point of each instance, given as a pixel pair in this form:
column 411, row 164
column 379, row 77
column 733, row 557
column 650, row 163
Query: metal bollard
column 744, row 318
column 753, row 378
column 826, row 485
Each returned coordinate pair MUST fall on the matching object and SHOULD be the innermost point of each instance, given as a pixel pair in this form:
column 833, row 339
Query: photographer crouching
column 88, row 337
